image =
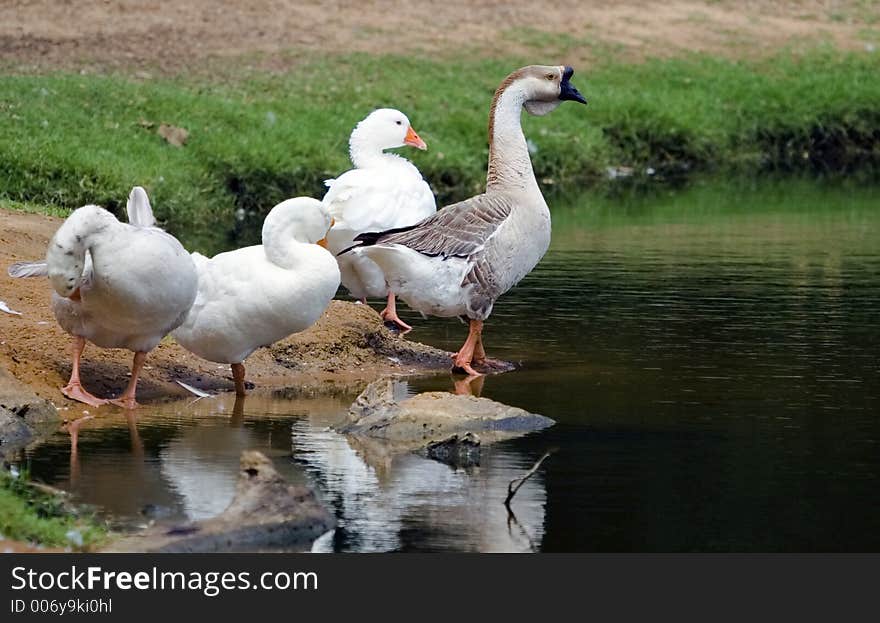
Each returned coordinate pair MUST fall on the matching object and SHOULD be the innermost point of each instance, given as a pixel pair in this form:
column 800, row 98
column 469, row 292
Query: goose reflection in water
column 201, row 462
column 175, row 460
column 386, row 501
column 179, row 460
column 118, row 476
column 469, row 386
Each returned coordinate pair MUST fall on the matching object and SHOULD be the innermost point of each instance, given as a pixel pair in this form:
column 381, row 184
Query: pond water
column 710, row 356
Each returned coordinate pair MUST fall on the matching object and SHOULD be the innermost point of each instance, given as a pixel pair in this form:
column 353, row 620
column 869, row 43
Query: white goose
column 257, row 295
column 116, row 285
column 383, row 191
column 459, row 261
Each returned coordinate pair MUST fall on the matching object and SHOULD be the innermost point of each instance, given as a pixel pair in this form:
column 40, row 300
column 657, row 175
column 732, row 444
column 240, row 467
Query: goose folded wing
column 459, row 230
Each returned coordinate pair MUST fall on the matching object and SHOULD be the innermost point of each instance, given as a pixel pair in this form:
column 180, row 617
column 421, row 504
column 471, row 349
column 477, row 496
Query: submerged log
column 266, row 513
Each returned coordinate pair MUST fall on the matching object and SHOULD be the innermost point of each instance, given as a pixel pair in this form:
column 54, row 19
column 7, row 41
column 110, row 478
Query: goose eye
column 399, row 122
column 550, row 76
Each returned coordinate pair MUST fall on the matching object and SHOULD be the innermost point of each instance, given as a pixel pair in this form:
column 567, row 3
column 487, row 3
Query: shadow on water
column 711, row 356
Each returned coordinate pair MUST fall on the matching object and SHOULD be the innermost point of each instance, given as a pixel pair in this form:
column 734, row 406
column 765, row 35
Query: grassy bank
column 33, row 516
column 66, row 140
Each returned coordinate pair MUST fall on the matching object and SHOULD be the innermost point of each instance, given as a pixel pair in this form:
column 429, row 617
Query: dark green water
column 710, row 355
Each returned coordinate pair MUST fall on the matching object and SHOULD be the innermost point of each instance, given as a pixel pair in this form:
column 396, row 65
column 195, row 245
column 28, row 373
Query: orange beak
column 413, row 140
column 323, row 241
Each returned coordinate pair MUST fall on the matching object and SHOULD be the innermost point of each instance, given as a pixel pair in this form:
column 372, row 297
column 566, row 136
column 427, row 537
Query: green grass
column 67, row 140
column 35, row 208
column 30, row 515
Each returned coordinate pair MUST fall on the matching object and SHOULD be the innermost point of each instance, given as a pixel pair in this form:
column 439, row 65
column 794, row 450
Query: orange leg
column 480, row 358
column 74, row 390
column 479, row 351
column 238, row 377
column 389, row 314
column 465, row 356
column 127, row 400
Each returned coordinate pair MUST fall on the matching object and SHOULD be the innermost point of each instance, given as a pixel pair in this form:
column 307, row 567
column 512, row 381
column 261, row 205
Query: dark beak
column 567, row 90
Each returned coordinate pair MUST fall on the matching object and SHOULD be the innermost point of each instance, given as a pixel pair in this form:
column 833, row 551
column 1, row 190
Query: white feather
column 23, row 270
column 5, row 308
column 195, row 391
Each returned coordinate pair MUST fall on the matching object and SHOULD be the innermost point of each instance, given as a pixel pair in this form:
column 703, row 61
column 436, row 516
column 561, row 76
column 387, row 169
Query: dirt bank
column 169, row 36
column 348, row 345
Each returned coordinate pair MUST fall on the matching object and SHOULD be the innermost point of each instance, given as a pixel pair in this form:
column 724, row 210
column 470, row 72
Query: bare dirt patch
column 349, row 345
column 176, row 36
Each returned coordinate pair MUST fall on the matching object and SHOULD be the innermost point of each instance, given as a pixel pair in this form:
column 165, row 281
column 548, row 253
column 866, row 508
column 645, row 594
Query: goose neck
column 363, row 150
column 281, row 248
column 510, row 167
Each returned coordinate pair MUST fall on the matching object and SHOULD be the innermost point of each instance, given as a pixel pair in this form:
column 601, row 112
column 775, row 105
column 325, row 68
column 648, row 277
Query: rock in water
column 267, row 513
column 14, row 433
column 412, row 424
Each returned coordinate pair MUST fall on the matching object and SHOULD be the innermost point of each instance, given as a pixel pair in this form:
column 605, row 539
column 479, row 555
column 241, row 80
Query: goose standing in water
column 383, row 191
column 459, row 261
column 117, row 285
column 257, row 295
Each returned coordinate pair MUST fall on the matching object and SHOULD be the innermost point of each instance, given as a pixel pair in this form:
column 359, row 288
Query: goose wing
column 463, row 230
column 460, row 230
column 362, row 201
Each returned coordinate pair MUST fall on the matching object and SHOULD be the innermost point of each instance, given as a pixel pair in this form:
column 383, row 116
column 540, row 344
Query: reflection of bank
column 406, row 501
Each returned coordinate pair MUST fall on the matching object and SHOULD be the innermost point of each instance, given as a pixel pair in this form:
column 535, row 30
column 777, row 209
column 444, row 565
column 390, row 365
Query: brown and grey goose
column 460, row 260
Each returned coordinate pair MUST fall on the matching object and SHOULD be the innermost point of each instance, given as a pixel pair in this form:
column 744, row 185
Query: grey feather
column 460, row 230
column 463, row 230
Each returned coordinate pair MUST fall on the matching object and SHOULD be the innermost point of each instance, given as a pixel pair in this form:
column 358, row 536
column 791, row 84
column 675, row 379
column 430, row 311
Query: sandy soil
column 348, row 346
column 170, row 36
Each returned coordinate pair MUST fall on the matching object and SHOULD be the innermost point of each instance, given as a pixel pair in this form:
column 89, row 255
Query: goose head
column 302, row 219
column 66, row 254
column 383, row 129
column 542, row 87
